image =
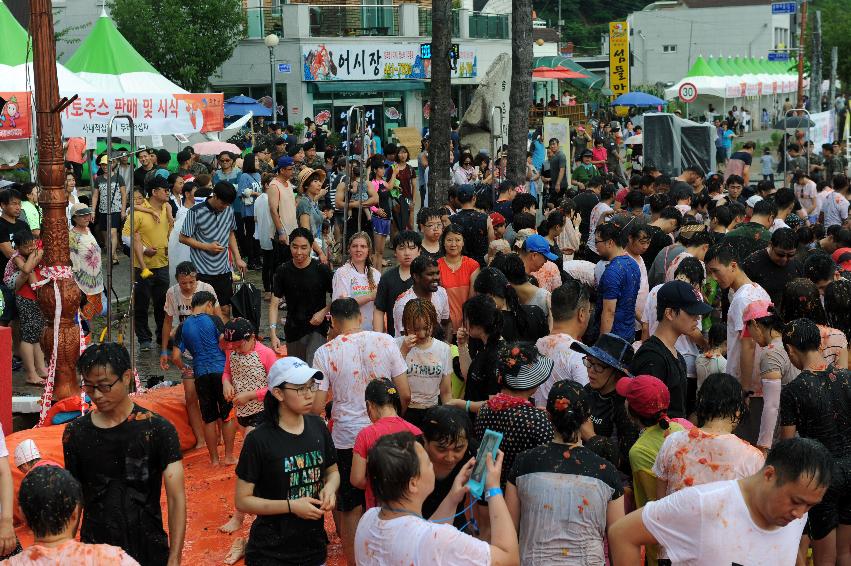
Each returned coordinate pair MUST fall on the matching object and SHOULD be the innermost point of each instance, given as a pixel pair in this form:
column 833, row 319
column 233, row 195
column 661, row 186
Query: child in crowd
column 244, row 382
column 383, row 405
column 19, row 274
column 713, row 359
column 199, row 334
column 428, row 359
column 767, row 165
column 27, row 457
column 431, row 227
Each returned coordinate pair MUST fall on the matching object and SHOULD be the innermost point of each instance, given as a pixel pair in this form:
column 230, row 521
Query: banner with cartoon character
column 15, row 121
column 153, row 114
column 383, row 61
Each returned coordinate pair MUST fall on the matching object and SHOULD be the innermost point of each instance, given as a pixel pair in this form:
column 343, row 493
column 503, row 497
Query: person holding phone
column 397, row 533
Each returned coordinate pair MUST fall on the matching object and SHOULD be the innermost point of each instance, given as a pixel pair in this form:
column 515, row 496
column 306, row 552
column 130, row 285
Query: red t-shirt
column 457, row 285
column 75, row 150
column 367, row 438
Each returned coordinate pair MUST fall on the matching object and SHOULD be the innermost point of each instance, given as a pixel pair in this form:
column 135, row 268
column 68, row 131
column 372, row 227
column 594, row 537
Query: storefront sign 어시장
column 618, row 58
column 153, row 114
column 382, row 61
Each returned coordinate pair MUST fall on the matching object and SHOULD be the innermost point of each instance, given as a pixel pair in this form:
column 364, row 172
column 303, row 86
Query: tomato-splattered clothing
column 72, row 552
column 564, row 493
column 697, row 457
column 349, row 362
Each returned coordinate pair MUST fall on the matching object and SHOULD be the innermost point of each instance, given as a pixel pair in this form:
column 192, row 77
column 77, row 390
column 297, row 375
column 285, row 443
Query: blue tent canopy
column 638, row 99
column 242, row 105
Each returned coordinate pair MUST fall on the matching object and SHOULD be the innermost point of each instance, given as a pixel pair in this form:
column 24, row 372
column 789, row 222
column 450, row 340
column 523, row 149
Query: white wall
column 745, row 31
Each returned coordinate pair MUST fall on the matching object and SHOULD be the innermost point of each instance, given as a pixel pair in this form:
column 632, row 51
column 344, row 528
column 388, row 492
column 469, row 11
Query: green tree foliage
column 185, row 41
column 585, row 20
column 835, row 23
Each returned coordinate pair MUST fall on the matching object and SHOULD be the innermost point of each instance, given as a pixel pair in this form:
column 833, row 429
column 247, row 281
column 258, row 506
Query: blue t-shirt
column 539, row 154
column 200, row 335
column 233, row 179
column 728, row 139
column 620, row 281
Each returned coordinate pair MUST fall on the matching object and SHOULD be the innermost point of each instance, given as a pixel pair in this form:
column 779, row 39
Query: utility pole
column 834, row 57
column 816, row 64
column 801, row 44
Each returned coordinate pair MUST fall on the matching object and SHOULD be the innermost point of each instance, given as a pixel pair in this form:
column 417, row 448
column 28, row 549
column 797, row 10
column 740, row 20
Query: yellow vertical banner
column 618, row 58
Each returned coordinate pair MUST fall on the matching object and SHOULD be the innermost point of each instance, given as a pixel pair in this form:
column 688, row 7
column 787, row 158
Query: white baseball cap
column 292, row 370
column 26, row 452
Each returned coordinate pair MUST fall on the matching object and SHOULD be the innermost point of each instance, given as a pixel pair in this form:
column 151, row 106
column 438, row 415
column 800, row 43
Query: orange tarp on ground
column 209, row 490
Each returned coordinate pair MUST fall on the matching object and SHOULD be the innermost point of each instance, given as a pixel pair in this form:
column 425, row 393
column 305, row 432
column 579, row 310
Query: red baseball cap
column 646, row 395
column 497, row 219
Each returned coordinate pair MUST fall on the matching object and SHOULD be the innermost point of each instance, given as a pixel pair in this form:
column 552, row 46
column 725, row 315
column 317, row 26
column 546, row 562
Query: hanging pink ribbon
column 51, row 274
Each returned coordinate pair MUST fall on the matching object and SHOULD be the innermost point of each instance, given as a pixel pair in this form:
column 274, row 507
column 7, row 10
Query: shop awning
column 592, row 80
column 365, row 86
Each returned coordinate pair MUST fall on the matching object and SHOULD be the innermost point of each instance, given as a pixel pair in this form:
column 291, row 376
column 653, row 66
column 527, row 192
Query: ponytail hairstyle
column 567, row 405
column 553, row 219
column 773, row 321
column 382, row 392
column 481, row 310
column 270, row 407
column 491, row 281
column 365, row 236
column 837, row 303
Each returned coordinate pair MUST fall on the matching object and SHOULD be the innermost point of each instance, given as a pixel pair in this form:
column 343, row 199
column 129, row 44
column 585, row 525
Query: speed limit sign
column 688, row 92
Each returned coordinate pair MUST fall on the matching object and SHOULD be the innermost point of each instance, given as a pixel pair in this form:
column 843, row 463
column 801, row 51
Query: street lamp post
column 271, row 42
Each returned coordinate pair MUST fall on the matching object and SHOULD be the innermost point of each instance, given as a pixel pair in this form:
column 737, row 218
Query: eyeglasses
column 102, row 387
column 596, row 366
column 305, row 390
column 434, row 225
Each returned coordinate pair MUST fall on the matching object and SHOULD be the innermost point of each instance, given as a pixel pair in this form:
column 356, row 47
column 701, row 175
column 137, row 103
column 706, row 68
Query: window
column 669, row 49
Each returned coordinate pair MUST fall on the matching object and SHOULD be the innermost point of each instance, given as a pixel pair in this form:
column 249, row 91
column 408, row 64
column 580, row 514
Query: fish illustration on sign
column 322, row 118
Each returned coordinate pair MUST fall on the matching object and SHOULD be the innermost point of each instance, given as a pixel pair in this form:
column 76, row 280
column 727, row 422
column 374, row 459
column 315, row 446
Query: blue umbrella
column 636, row 98
column 242, row 105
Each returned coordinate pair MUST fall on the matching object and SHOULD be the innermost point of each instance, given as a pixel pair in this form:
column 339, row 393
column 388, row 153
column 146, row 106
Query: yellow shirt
column 152, row 233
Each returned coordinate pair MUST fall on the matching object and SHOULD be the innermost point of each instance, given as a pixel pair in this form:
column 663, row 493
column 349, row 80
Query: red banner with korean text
column 153, row 114
column 15, row 118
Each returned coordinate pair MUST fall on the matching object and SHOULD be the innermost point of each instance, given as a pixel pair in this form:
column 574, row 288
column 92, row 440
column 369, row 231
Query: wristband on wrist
column 273, row 325
column 467, row 406
column 164, row 353
column 289, row 509
column 491, row 492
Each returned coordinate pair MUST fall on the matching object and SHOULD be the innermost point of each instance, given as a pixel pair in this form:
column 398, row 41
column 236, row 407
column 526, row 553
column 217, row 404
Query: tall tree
column 521, row 88
column 441, row 102
column 187, row 43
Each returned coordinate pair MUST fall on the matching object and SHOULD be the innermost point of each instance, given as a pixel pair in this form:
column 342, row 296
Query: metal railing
column 489, row 26
column 353, row 21
column 425, row 21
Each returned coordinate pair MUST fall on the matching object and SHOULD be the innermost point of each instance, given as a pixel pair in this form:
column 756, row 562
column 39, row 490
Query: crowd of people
column 665, row 359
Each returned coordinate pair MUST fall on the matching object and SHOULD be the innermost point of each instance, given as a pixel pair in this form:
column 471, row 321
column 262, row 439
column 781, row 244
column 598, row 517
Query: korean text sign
column 618, row 58
column 15, row 118
column 153, row 114
column 382, row 61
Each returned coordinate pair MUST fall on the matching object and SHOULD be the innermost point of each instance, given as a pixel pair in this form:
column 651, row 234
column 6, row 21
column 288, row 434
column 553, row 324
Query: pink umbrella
column 215, row 148
column 559, row 72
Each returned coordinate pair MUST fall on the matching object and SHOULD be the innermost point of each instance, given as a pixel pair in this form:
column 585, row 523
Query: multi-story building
column 667, row 36
column 331, row 56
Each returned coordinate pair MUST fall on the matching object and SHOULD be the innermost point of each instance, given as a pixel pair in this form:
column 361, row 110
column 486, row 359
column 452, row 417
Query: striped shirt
column 206, row 225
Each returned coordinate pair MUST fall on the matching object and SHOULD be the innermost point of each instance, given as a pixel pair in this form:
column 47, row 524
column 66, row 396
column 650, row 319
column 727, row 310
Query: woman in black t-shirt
column 482, row 322
column 519, row 322
column 287, row 472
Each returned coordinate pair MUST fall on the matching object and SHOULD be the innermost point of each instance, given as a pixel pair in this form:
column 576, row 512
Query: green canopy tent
column 108, row 61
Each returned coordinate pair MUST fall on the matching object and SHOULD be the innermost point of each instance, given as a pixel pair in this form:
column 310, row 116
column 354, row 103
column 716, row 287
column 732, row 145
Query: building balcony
column 368, row 20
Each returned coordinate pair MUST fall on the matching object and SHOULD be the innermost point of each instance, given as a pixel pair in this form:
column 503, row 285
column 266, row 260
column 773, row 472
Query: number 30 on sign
column 688, row 92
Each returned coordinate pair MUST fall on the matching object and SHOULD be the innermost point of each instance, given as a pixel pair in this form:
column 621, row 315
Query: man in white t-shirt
column 349, row 362
column 426, row 285
column 724, row 264
column 571, row 310
column 178, row 306
column 835, row 205
column 601, row 211
column 397, row 533
column 755, row 521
